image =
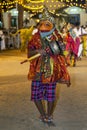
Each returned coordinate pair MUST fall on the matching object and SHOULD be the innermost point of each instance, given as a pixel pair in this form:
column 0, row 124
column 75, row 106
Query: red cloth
column 60, row 73
column 71, row 45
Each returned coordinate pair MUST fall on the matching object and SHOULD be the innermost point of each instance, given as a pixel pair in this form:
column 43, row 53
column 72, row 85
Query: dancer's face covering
column 45, row 26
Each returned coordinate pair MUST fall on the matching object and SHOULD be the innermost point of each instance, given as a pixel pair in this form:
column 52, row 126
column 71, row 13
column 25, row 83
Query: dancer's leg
column 50, row 108
column 40, row 107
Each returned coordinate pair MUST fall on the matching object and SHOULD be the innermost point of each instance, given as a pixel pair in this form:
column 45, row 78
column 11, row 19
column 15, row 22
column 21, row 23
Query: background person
column 2, row 41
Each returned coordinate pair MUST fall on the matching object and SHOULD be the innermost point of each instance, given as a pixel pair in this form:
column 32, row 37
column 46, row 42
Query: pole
column 18, row 39
column 31, row 58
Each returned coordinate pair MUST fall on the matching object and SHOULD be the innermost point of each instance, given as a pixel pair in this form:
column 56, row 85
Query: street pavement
column 17, row 112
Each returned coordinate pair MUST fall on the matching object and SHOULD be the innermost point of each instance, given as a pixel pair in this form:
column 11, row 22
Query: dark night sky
column 76, row 1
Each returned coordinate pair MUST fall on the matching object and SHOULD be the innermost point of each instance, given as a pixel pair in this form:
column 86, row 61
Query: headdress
column 47, row 16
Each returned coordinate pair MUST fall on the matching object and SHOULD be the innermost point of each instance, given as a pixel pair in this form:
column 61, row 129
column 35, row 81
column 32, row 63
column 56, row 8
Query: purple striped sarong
column 40, row 91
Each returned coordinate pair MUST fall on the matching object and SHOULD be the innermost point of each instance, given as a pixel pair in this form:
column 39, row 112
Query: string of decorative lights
column 35, row 2
column 38, row 5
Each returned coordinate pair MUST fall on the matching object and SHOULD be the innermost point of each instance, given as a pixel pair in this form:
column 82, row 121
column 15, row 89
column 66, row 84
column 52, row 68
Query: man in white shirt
column 2, row 41
column 79, row 32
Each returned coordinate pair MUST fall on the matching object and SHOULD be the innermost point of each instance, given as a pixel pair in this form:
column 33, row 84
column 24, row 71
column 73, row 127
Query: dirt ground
column 17, row 112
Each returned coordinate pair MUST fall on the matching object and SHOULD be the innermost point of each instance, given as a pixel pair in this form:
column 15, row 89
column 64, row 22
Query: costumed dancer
column 85, row 42
column 84, row 37
column 25, row 36
column 75, row 43
column 72, row 45
column 49, row 68
column 79, row 33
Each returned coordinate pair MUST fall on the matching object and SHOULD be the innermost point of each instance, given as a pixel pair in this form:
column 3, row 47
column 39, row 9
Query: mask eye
column 47, row 24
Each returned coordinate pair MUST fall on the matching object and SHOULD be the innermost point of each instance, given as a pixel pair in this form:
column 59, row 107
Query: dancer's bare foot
column 43, row 119
column 50, row 121
column 68, row 84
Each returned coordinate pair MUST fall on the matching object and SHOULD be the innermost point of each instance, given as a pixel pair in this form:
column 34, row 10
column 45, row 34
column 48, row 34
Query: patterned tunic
column 54, row 70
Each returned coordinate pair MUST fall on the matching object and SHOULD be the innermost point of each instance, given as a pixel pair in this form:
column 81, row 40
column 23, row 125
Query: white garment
column 86, row 29
column 79, row 32
column 3, row 45
column 2, row 41
column 34, row 31
column 80, row 50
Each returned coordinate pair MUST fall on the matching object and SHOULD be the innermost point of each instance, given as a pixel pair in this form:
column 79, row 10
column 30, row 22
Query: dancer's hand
column 41, row 51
